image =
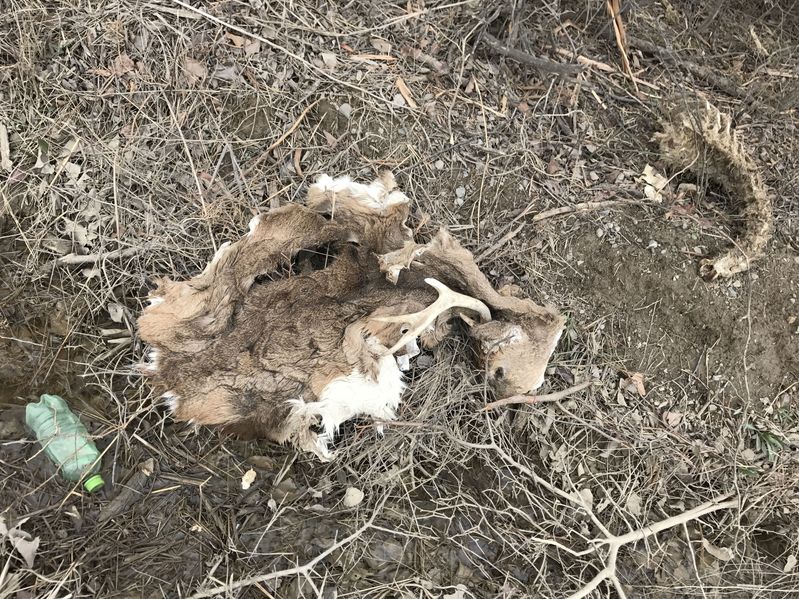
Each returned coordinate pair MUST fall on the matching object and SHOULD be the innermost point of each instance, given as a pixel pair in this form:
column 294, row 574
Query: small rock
column 439, row 164
column 600, row 233
column 345, row 110
column 460, row 191
column 399, row 100
column 352, row 497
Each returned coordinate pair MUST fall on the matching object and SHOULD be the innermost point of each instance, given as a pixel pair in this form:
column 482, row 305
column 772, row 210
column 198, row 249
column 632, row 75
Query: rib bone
column 419, row 321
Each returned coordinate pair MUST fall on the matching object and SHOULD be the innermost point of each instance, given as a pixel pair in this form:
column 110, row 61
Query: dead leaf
column 20, row 540
column 584, row 496
column 634, row 504
column 236, row 40
column 634, row 383
column 247, row 479
column 381, row 45
column 57, row 245
column 655, row 183
column 331, row 141
column 672, row 419
column 116, row 312
column 195, row 70
column 460, row 593
column 122, row 65
column 72, row 170
column 252, row 47
column 352, row 497
column 329, row 59
column 226, row 73
column 406, row 93
column 78, row 233
column 43, row 158
column 723, row 554
column 790, row 564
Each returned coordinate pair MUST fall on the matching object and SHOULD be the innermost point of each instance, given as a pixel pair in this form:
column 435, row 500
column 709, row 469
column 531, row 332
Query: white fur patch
column 155, row 300
column 152, row 364
column 254, row 222
column 355, row 395
column 375, row 195
column 171, row 401
column 220, row 252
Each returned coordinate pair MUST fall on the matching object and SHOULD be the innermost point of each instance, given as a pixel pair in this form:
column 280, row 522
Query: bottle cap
column 93, row 483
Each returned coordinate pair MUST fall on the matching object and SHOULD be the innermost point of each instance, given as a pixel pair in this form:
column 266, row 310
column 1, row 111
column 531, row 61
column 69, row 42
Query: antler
column 419, row 321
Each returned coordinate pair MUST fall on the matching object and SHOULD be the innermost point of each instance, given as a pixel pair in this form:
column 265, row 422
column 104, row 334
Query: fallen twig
column 298, row 570
column 529, row 399
column 581, row 207
column 132, row 491
column 614, row 10
column 94, row 258
column 611, row 541
column 614, row 543
column 707, row 74
column 542, row 64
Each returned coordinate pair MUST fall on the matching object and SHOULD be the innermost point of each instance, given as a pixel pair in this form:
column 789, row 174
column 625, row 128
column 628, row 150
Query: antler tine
column 447, row 299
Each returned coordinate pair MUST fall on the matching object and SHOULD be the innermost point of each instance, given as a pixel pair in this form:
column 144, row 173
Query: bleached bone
column 447, row 300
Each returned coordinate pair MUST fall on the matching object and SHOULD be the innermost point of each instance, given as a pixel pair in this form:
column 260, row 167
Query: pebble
column 345, row 110
column 439, row 164
column 460, row 191
column 600, row 233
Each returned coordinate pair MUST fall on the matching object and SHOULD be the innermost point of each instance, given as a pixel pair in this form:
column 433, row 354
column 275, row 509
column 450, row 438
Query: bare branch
column 531, row 399
column 542, row 64
column 298, row 570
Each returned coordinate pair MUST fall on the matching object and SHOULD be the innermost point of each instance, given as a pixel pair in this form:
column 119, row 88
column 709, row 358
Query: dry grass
column 150, row 162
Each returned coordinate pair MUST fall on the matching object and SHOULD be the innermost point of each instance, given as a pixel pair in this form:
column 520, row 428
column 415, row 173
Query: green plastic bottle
column 65, row 440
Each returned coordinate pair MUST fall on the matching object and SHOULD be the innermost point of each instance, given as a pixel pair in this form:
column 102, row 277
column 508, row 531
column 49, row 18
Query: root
column 703, row 140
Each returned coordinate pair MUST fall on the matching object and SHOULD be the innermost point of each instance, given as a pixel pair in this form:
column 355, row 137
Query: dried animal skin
column 266, row 354
column 703, row 140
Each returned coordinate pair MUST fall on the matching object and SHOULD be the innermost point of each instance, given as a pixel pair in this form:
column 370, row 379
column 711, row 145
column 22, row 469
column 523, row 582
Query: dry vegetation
column 141, row 135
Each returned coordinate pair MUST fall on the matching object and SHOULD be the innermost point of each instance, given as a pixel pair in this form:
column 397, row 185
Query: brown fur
column 234, row 352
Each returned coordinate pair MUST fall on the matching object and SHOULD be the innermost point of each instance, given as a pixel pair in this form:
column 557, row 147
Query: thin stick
column 94, row 258
column 304, row 569
column 281, row 139
column 615, row 543
column 529, row 399
column 542, row 64
column 581, row 207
